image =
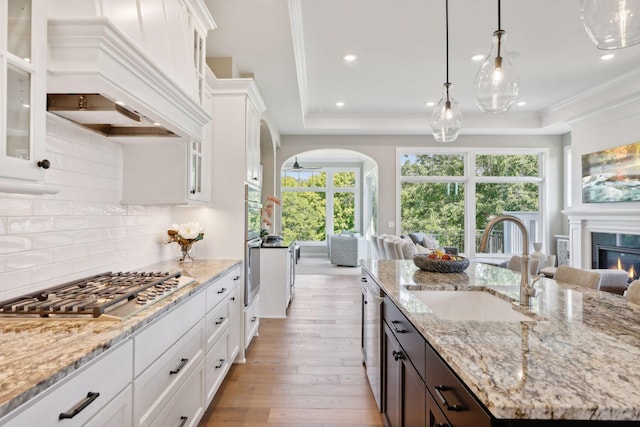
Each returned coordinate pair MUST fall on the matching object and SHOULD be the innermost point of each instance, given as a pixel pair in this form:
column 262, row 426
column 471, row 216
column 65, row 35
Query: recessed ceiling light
column 478, row 57
column 350, row 57
column 27, row 59
column 521, row 103
column 607, row 56
column 429, row 103
column 26, row 105
column 339, row 104
column 120, row 103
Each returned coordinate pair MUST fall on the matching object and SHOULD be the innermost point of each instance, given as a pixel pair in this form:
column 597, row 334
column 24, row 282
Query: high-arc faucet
column 527, row 291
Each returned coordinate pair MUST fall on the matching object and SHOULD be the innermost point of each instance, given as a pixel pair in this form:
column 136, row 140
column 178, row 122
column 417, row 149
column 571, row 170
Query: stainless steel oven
column 253, row 225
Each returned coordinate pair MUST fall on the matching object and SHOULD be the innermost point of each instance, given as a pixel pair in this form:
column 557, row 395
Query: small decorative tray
column 440, row 265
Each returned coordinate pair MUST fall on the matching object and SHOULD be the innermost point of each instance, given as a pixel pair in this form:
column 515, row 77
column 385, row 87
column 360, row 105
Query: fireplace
column 616, row 251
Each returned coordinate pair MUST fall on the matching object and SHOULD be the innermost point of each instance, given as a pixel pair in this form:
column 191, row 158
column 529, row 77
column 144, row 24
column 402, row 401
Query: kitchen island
column 39, row 353
column 575, row 359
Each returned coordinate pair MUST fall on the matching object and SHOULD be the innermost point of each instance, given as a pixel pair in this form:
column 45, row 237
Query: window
column 320, row 202
column 452, row 193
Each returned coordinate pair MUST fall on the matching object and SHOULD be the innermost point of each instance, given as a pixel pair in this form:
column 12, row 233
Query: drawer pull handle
column 91, row 396
column 233, row 298
column 183, row 421
column 254, row 318
column 443, row 400
column 397, row 355
column 182, row 364
column 219, row 365
column 220, row 320
column 395, row 328
column 363, row 279
column 236, row 278
column 222, row 291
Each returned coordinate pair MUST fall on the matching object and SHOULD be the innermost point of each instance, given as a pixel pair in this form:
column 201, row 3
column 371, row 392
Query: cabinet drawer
column 156, row 338
column 216, row 365
column 106, row 376
column 156, row 385
column 456, row 402
column 407, row 335
column 217, row 321
column 221, row 288
column 187, row 406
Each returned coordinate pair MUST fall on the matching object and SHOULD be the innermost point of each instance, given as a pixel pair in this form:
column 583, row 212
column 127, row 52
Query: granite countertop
column 282, row 244
column 578, row 358
column 36, row 353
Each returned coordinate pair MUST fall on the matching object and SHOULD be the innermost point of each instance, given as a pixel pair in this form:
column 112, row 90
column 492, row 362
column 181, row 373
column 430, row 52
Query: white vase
column 537, row 254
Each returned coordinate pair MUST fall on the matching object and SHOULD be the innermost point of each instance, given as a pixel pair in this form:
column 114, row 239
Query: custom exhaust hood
column 100, row 114
column 100, row 79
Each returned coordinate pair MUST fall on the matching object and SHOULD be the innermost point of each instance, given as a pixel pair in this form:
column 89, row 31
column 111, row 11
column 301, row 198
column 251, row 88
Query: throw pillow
column 408, row 249
column 422, row 250
column 417, row 237
column 429, row 242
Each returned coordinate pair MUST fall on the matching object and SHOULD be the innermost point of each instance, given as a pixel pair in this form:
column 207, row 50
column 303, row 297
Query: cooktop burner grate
column 97, row 295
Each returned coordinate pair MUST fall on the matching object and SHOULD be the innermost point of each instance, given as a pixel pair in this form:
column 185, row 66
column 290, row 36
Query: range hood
column 100, row 114
column 100, row 79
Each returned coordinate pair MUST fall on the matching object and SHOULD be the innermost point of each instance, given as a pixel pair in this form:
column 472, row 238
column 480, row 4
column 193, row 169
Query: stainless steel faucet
column 527, row 291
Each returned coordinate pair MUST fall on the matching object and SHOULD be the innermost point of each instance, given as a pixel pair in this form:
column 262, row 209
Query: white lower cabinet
column 83, row 396
column 235, row 317
column 217, row 365
column 159, row 382
column 251, row 320
column 187, row 405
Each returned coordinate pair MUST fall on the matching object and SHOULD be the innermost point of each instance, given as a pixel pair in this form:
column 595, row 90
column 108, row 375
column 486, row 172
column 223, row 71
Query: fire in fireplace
column 616, row 251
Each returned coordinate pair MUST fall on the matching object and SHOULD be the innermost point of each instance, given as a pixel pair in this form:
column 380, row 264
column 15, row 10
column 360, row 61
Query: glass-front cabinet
column 22, row 94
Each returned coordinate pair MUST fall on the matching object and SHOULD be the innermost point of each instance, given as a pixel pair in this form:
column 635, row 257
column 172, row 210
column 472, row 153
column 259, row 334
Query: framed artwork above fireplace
column 612, row 175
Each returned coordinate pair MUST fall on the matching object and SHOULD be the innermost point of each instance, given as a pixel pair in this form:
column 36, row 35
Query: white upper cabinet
column 254, row 172
column 22, row 96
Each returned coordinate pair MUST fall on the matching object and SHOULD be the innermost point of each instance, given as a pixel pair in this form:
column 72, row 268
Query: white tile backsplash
column 22, row 225
column 82, row 230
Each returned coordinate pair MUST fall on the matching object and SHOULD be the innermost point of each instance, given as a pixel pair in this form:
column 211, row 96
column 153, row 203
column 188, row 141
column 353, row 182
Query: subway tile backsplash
column 83, row 230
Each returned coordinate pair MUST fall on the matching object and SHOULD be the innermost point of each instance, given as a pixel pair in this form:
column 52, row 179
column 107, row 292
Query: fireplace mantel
column 583, row 222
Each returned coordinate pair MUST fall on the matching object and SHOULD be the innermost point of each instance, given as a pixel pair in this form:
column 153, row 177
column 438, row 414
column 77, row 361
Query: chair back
column 515, row 264
column 575, row 276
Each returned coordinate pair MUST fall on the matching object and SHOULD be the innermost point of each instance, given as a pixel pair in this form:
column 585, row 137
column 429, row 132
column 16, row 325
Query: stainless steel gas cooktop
column 107, row 295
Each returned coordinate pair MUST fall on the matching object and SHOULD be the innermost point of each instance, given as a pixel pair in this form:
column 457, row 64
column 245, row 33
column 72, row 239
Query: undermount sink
column 470, row 305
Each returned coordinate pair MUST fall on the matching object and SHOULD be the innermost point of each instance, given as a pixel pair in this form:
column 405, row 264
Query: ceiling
column 295, row 49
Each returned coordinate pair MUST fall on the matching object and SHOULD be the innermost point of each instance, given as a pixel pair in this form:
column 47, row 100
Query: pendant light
column 611, row 24
column 496, row 85
column 446, row 119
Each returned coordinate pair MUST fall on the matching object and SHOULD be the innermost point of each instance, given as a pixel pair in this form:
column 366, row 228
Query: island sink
column 477, row 306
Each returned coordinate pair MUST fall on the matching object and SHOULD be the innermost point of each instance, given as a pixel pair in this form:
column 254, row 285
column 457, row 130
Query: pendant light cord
column 499, row 26
column 500, row 33
column 446, row 13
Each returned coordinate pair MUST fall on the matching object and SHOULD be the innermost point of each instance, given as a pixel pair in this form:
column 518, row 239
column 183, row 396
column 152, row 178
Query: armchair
column 346, row 249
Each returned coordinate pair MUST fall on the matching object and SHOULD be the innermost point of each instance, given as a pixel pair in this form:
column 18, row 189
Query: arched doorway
column 326, row 191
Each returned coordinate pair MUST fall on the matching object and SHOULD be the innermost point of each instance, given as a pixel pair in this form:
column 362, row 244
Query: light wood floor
column 303, row 371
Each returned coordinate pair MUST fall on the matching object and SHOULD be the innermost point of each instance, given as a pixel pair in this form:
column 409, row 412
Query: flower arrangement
column 185, row 235
column 266, row 214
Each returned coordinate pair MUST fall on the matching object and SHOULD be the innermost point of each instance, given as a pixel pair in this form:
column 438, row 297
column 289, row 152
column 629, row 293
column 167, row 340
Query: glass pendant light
column 611, row 24
column 446, row 119
column 496, row 84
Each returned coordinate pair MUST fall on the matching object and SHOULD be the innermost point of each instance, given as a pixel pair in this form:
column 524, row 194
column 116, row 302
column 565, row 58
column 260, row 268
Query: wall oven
column 252, row 243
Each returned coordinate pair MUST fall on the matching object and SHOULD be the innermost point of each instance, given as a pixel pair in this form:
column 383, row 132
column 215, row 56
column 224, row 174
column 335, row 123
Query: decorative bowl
column 440, row 265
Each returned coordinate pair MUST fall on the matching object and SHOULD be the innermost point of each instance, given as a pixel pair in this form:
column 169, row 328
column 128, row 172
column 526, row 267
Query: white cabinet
column 118, row 413
column 166, row 173
column 254, row 171
column 187, row 405
column 23, row 54
column 251, row 320
column 276, row 282
column 235, row 318
column 85, row 396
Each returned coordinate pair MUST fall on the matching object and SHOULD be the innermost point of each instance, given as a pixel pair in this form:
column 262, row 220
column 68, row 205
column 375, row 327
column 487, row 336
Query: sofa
column 346, row 249
column 390, row 246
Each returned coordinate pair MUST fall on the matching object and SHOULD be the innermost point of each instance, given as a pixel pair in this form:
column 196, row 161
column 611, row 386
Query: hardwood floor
column 305, row 370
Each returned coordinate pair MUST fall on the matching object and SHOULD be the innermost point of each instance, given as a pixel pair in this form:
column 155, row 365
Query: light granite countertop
column 579, row 357
column 37, row 353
